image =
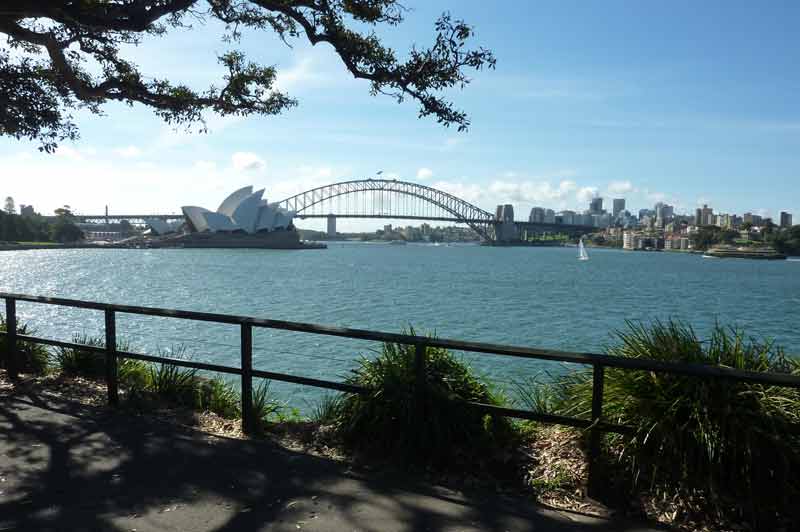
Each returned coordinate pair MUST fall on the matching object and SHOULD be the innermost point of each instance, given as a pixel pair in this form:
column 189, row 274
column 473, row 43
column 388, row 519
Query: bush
column 734, row 444
column 265, row 407
column 219, row 396
column 328, row 409
column 92, row 365
column 82, row 362
column 386, row 419
column 31, row 358
column 172, row 383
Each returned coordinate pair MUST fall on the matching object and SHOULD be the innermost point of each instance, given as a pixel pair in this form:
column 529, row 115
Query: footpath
column 65, row 466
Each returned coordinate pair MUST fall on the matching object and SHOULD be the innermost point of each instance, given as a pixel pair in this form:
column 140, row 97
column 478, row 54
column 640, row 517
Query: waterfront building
column 704, row 216
column 629, row 240
column 786, row 219
column 619, row 206
column 243, row 211
column 549, row 216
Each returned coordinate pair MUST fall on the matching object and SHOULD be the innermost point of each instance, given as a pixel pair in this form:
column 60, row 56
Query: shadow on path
column 71, row 467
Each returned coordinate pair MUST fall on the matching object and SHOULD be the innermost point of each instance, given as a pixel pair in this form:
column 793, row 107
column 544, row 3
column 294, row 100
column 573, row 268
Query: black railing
column 246, row 371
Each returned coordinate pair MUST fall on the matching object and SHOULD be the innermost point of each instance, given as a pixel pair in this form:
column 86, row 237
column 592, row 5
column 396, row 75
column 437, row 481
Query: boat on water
column 582, row 255
column 732, row 252
column 397, row 242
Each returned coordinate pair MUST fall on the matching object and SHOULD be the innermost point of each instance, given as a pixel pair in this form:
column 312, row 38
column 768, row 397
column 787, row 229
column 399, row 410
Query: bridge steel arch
column 480, row 221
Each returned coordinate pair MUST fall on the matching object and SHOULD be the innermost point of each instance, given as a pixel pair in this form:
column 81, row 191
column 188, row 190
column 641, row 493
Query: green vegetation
column 710, row 236
column 32, row 358
column 387, row 420
column 148, row 384
column 37, row 229
column 734, row 446
column 787, row 240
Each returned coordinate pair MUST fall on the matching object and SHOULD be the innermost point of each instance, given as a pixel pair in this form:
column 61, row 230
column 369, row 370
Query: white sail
column 582, row 255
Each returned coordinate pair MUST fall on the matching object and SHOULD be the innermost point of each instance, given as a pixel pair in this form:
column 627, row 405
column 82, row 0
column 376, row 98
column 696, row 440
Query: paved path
column 68, row 467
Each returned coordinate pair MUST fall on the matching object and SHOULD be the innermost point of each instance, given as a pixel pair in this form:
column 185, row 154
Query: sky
column 683, row 102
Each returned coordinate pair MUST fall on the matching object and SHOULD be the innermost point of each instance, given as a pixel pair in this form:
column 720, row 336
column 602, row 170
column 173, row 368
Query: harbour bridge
column 390, row 199
column 393, row 199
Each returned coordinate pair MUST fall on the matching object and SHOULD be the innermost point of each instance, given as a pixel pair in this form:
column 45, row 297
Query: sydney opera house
column 243, row 211
column 243, row 219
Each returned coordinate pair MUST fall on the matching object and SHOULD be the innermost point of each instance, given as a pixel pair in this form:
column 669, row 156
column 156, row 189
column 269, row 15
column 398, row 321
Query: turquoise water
column 539, row 297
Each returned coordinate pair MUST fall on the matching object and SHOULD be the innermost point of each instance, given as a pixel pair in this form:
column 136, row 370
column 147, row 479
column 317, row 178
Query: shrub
column 736, row 444
column 173, row 383
column 219, row 396
column 265, row 407
column 386, row 420
column 328, row 409
column 92, row 365
column 31, row 358
column 82, row 362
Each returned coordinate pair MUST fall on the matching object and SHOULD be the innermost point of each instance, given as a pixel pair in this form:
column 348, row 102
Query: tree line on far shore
column 33, row 227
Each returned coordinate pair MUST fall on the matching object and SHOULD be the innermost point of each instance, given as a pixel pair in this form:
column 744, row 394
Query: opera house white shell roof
column 244, row 210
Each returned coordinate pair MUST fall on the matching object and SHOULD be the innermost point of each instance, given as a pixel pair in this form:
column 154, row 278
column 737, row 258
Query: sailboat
column 582, row 255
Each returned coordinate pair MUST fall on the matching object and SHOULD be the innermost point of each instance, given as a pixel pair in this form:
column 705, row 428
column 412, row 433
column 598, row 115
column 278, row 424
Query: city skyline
column 639, row 113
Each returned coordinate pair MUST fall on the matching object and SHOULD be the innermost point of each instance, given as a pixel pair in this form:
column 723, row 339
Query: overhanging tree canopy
column 60, row 55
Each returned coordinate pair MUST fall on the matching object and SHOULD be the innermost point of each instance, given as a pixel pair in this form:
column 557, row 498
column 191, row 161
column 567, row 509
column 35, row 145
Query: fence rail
column 246, row 371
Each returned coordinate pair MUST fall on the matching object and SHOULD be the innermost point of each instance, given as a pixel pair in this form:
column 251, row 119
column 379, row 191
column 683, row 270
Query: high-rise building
column 504, row 213
column 549, row 216
column 537, row 215
column 752, row 219
column 596, row 206
column 786, row 219
column 704, row 216
column 619, row 206
column 644, row 213
column 567, row 217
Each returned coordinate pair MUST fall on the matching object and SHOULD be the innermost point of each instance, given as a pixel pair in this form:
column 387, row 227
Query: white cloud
column 300, row 73
column 424, row 173
column 531, row 192
column 68, row 152
column 245, row 160
column 128, row 152
column 620, row 187
column 586, row 194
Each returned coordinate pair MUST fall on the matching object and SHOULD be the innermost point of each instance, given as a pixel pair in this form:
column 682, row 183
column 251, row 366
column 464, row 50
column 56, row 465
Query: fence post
column 112, row 383
column 12, row 368
column 595, row 473
column 421, row 380
column 248, row 419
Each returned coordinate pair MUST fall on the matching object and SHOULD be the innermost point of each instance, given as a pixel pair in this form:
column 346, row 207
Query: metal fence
column 420, row 343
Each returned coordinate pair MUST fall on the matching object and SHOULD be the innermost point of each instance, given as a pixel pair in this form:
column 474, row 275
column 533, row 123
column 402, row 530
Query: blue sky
column 686, row 102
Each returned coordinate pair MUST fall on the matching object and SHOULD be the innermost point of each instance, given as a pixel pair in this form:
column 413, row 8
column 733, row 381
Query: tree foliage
column 9, row 207
column 16, row 228
column 787, row 240
column 66, row 54
column 708, row 236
